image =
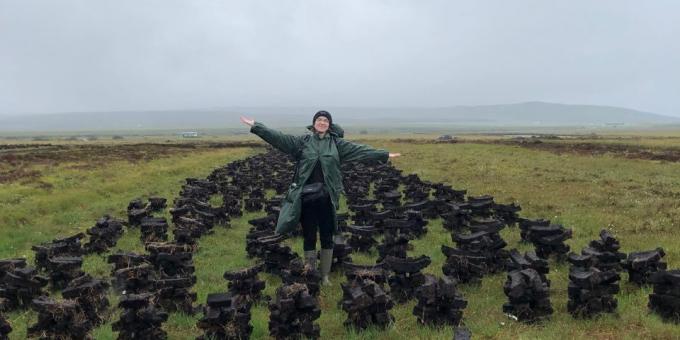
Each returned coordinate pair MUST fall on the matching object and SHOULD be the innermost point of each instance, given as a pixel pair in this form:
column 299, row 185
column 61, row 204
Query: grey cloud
column 90, row 55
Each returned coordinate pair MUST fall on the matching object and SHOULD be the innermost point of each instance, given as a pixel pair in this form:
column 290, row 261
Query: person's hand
column 247, row 121
column 393, row 155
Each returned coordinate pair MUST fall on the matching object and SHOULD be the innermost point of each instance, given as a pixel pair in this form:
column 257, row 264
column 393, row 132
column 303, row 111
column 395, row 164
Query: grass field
column 638, row 200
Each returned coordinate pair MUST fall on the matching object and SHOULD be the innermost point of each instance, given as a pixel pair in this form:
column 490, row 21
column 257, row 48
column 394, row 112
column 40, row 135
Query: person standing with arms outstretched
column 313, row 196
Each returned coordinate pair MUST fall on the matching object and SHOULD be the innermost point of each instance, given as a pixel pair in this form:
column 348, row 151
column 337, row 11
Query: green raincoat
column 331, row 151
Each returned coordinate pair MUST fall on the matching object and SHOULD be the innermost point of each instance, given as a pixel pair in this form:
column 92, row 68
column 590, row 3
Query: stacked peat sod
column 478, row 253
column 591, row 291
column 439, row 302
column 153, row 229
column 298, row 272
column 292, row 313
column 226, row 317
column 517, row 261
column 412, row 225
column 261, row 229
column 364, row 298
column 549, row 240
column 59, row 320
column 91, row 296
column 123, row 260
column 245, row 283
column 140, row 318
column 361, row 238
column 606, row 251
column 508, row 213
column 394, row 243
column 342, row 252
column 277, row 256
column 406, row 276
column 641, row 265
column 64, row 269
column 361, row 213
column 19, row 284
column 525, row 224
column 456, row 216
column 136, row 211
column 61, row 259
column 175, row 267
column 104, row 235
column 528, row 293
column 665, row 299
column 5, row 327
column 68, row 246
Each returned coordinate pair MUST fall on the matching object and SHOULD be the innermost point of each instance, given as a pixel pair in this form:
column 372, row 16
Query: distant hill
column 529, row 114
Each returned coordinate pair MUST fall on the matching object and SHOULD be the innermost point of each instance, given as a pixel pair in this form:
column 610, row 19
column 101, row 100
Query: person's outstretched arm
column 353, row 152
column 286, row 143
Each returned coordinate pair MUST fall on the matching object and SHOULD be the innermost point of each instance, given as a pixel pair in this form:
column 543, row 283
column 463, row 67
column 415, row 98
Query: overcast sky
column 92, row 55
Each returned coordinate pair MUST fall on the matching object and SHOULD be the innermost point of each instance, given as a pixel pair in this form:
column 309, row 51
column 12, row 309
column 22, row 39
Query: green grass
column 638, row 200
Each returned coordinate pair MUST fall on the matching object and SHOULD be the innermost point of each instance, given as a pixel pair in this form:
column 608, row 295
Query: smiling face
column 321, row 124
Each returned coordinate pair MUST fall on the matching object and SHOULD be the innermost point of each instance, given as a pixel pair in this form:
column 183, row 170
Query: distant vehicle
column 446, row 138
column 189, row 134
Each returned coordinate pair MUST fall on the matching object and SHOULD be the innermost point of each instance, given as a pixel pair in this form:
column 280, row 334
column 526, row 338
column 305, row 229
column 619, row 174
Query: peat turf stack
column 549, row 240
column 591, row 291
column 245, row 282
column 91, row 296
column 19, row 286
column 526, row 224
column 529, row 260
column 140, row 318
column 528, row 295
column 406, row 276
column 361, row 238
column 606, row 251
column 641, row 265
column 225, row 317
column 364, row 298
column 63, row 269
column 342, row 253
column 463, row 265
column 665, row 299
column 68, row 246
column 292, row 313
column 298, row 272
column 153, row 229
column 59, row 320
column 104, row 235
column 439, row 302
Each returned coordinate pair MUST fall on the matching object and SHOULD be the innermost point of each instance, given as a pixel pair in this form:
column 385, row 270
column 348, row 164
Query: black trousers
column 317, row 216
